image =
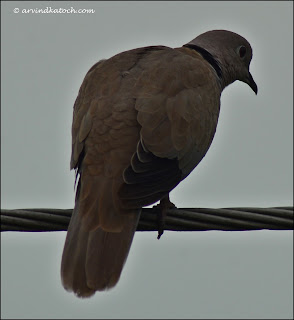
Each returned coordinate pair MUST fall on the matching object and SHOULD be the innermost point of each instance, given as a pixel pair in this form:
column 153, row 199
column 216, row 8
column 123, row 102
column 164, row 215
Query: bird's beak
column 250, row 81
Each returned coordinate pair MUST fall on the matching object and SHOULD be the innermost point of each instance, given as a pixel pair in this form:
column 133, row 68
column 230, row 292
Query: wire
column 179, row 219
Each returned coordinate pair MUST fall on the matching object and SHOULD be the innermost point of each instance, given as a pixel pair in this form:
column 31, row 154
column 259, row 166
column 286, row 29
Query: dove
column 142, row 121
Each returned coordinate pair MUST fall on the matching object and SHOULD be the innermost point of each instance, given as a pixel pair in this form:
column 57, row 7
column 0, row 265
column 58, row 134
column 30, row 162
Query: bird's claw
column 163, row 207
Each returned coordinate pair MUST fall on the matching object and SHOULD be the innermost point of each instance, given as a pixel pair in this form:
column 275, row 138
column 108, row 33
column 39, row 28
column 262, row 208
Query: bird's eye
column 242, row 51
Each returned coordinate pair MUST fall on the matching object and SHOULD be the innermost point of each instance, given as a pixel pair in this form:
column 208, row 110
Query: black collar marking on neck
column 207, row 56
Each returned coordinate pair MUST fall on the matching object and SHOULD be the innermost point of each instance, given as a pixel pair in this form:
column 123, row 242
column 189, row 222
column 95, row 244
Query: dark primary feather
column 148, row 179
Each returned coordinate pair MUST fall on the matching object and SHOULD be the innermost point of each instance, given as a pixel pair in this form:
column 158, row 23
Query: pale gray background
column 184, row 275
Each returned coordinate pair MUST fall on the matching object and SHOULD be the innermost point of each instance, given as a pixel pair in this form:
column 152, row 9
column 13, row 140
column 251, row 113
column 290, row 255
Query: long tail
column 93, row 260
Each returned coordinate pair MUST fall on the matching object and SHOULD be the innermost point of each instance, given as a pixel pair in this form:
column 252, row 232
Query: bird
column 142, row 121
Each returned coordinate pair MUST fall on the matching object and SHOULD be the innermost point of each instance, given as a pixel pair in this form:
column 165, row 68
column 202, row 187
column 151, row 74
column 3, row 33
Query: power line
column 179, row 219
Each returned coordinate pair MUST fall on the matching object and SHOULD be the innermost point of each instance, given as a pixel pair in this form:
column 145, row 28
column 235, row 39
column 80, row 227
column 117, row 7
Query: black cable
column 182, row 219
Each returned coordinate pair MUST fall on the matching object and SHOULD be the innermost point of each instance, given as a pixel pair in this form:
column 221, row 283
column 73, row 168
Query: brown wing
column 177, row 99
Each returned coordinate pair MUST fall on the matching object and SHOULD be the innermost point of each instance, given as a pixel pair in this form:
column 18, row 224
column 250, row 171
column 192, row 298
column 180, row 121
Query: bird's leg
column 163, row 208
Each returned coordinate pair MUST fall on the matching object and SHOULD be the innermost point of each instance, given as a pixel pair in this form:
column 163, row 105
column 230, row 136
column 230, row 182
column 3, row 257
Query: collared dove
column 142, row 121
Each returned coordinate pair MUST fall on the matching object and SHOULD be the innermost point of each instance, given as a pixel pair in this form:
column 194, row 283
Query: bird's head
column 232, row 53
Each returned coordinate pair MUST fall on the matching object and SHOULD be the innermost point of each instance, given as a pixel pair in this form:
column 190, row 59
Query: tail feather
column 105, row 262
column 93, row 259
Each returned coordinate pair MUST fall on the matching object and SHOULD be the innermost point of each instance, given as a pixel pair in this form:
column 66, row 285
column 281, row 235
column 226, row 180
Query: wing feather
column 178, row 106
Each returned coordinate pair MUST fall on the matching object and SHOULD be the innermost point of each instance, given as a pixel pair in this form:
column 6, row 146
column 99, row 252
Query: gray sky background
column 184, row 275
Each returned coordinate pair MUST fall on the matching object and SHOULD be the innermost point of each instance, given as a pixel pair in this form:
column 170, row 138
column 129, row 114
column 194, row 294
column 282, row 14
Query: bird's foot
column 163, row 207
